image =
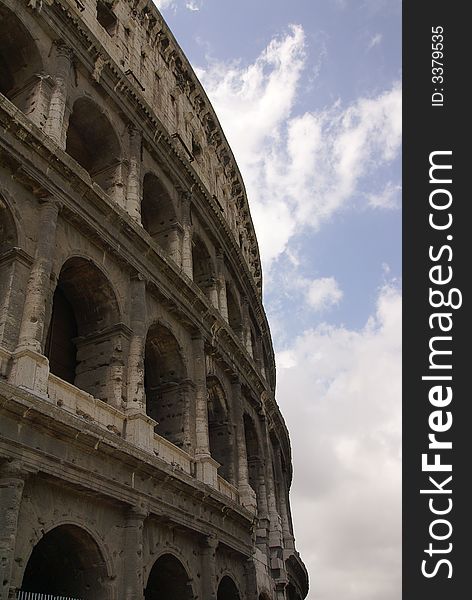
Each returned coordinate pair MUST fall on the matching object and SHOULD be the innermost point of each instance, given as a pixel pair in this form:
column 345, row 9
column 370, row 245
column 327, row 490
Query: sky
column 308, row 93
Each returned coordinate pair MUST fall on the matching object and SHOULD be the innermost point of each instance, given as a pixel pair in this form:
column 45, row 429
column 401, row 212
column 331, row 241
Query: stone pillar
column 12, row 481
column 221, row 285
column 251, row 579
column 206, row 466
column 187, row 390
column 32, row 323
column 58, row 117
column 30, row 368
column 202, row 448
column 133, row 585
column 136, row 401
column 246, row 327
column 187, row 265
column 246, row 493
column 209, row 578
column 139, row 426
column 134, row 192
column 174, row 243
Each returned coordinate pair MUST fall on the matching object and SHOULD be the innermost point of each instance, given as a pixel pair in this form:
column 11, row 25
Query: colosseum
column 142, row 451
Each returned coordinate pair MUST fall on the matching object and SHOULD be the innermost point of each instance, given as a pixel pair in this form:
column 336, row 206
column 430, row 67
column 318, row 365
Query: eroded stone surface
column 142, row 453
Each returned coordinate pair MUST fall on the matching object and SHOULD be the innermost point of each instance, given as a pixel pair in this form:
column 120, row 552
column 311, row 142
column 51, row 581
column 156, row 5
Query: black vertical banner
column 437, row 332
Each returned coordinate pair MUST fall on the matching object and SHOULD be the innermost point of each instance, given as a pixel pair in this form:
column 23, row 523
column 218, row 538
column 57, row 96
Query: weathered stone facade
column 142, row 453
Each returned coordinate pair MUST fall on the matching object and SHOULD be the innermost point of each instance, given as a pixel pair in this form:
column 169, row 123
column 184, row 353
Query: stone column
column 56, row 124
column 30, row 368
column 136, row 402
column 187, row 266
column 187, row 390
column 134, row 192
column 206, row 466
column 201, row 402
column 246, row 327
column 133, row 585
column 12, row 481
column 209, row 579
column 139, row 426
column 246, row 493
column 221, row 284
column 32, row 322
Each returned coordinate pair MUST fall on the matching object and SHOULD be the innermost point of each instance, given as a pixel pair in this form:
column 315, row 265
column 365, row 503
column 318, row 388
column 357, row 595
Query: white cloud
column 193, row 6
column 323, row 293
column 375, row 41
column 389, row 197
column 298, row 169
column 340, row 391
column 163, row 4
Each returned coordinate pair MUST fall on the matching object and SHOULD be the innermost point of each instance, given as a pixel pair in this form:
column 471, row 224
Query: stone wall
column 138, row 424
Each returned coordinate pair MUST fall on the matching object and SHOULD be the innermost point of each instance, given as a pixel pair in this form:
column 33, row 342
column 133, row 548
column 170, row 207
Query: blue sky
column 309, row 95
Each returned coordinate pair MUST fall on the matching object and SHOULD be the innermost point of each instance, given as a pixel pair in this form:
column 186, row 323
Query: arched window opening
column 93, row 143
column 80, row 342
column 203, row 268
column 227, row 589
column 158, row 214
column 168, row 580
column 20, row 62
column 106, row 17
column 66, row 562
column 254, row 461
column 234, row 311
column 219, row 429
column 60, row 343
column 164, row 372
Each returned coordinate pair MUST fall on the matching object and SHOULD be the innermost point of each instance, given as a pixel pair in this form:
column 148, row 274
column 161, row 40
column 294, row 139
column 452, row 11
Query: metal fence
column 20, row 595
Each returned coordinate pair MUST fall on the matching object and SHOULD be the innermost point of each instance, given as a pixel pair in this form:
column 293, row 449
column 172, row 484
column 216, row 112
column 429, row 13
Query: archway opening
column 20, row 62
column 92, row 141
column 164, row 372
column 84, row 308
column 219, row 429
column 66, row 562
column 168, row 580
column 227, row 589
column 203, row 268
column 158, row 215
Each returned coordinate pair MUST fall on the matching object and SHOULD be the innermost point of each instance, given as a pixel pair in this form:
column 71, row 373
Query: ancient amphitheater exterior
column 142, row 452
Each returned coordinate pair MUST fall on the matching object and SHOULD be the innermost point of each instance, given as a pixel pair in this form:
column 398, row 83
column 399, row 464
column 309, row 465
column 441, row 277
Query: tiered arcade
column 142, row 453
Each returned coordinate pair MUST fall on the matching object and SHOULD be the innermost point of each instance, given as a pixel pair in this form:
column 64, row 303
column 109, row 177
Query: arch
column 168, row 580
column 219, row 429
column 67, row 561
column 227, row 589
column 164, row 372
column 158, row 214
column 93, row 143
column 84, row 306
column 20, row 61
column 203, row 267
